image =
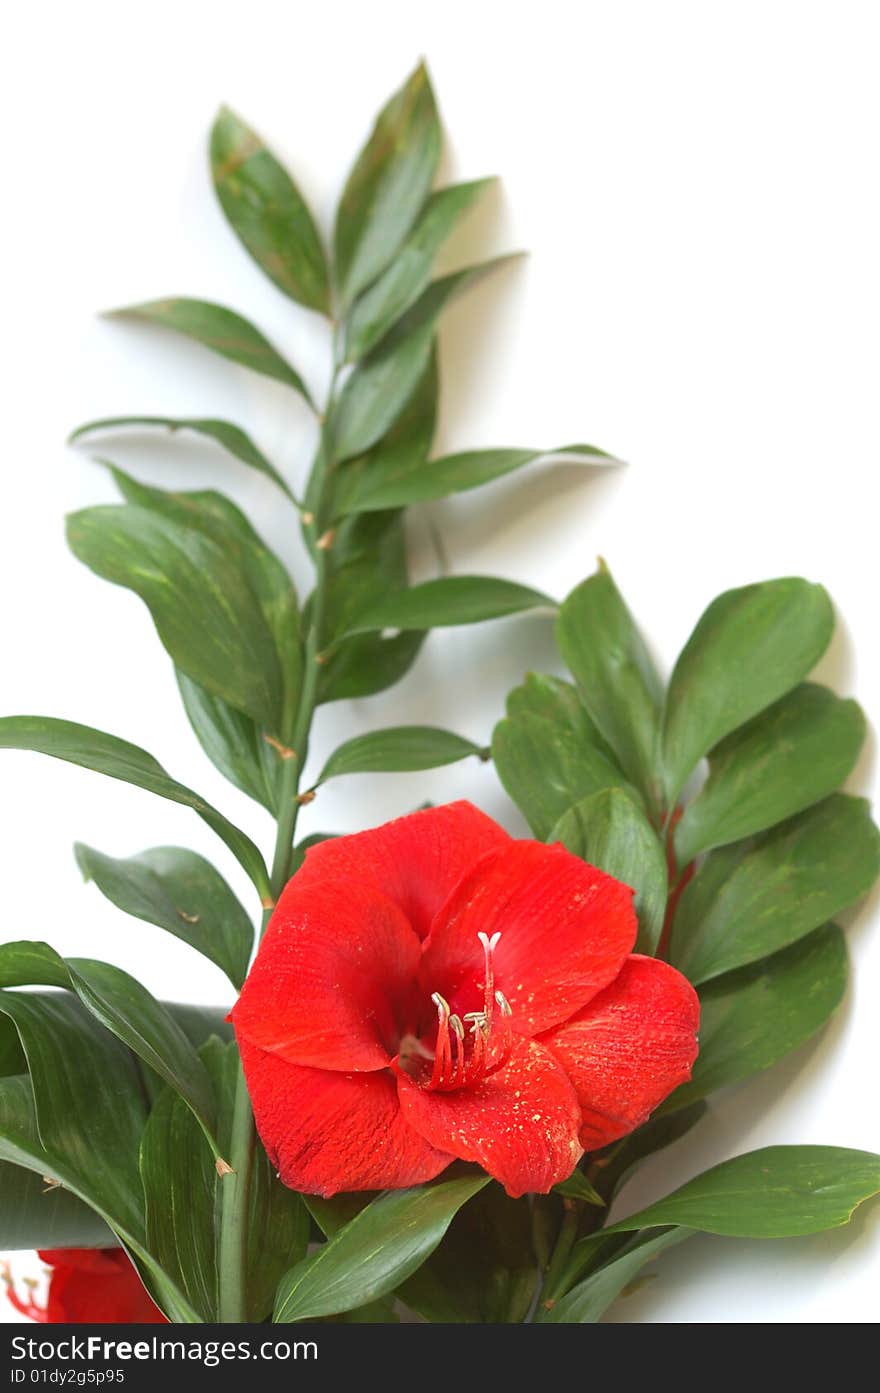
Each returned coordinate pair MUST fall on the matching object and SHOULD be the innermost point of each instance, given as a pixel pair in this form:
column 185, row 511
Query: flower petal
column 520, row 1123
column 331, row 983
column 326, row 1132
column 629, row 1048
column 105, row 1292
column 417, row 860
column 565, row 929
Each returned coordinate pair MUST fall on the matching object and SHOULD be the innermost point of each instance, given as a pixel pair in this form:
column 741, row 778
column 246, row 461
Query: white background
column 697, row 187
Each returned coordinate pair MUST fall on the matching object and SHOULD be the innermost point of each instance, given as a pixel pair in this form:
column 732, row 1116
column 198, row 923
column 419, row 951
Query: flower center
column 467, row 1047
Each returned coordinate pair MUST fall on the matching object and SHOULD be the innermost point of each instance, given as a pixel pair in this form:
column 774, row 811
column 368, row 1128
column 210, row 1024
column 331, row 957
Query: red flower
column 434, row 989
column 90, row 1286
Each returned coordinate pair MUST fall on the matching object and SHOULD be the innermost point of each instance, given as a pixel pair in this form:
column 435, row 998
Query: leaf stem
column 232, row 1237
column 565, row 1241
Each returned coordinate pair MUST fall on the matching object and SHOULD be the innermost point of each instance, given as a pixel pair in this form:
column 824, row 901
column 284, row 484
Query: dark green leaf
column 124, row 1007
column 483, row 1271
column 662, row 1130
column 202, row 604
column 232, row 742
column 364, row 666
column 181, row 892
column 380, row 387
column 777, row 1192
column 410, row 271
column 578, row 1187
column 221, row 330
column 451, row 600
column 547, row 765
column 406, row 480
column 199, row 1023
column 87, row 1104
column 788, row 757
column 268, row 213
column 750, row 647
column 397, row 750
column 751, row 1018
column 178, row 1175
column 616, row 678
column 245, row 555
column 610, row 830
column 588, row 1302
column 375, row 1252
column 388, row 186
column 36, row 1214
column 539, row 694
column 107, row 754
column 232, row 438
column 794, row 878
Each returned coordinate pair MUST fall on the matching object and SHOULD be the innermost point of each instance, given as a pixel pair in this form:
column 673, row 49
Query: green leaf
column 751, row 1018
column 233, row 743
column 483, row 1271
column 245, row 554
column 610, row 830
column 794, row 878
column 199, row 1023
column 547, row 765
column 397, row 750
column 405, row 480
column 178, row 1176
column 181, row 892
column 267, row 212
column 364, row 666
column 87, row 1104
column 449, row 601
column 204, row 609
column 410, row 271
column 588, row 1302
column 555, row 700
column 616, row 678
column 622, row 1159
column 750, row 647
column 777, row 1192
column 232, row 439
column 35, row 1214
column 578, row 1187
column 221, row 330
column 381, row 385
column 388, row 185
column 125, row 1008
column 788, row 757
column 382, row 1246
column 107, row 754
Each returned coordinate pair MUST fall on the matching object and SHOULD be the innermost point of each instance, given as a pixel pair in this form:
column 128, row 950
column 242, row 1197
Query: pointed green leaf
column 401, row 480
column 125, row 1008
column 616, row 678
column 381, row 385
column 751, row 1018
column 382, row 1246
column 366, row 665
column 232, row 438
column 610, row 830
column 555, row 700
column 397, row 750
column 452, row 600
column 180, row 892
column 777, row 1192
column 107, row 754
column 221, row 330
column 232, row 742
column 388, row 185
column 410, row 271
column 205, row 611
column 548, row 765
column 267, row 212
column 792, row 755
column 793, row 879
column 750, row 647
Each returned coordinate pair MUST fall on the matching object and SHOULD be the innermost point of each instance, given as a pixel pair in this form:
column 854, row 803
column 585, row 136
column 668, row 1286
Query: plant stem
column 232, row 1237
column 565, row 1241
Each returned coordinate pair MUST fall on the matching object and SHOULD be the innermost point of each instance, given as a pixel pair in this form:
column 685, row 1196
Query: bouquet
column 445, row 1048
